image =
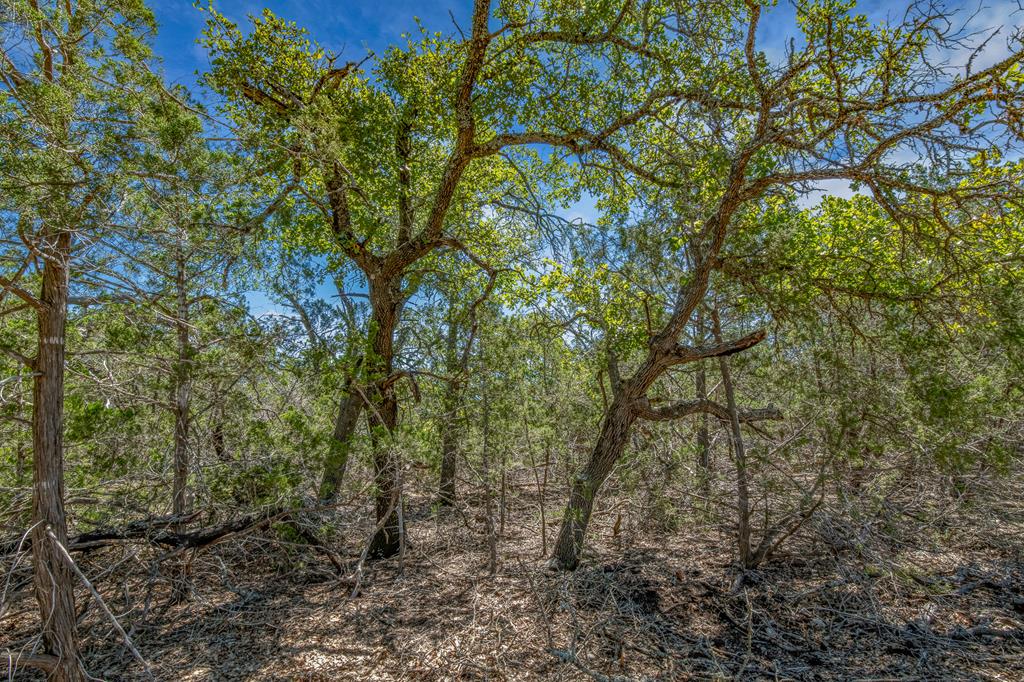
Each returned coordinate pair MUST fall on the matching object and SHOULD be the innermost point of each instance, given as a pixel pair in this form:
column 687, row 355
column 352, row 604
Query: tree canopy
column 562, row 265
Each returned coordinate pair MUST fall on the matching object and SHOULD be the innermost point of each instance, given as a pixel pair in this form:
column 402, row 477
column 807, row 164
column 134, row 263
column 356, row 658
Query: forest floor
column 841, row 601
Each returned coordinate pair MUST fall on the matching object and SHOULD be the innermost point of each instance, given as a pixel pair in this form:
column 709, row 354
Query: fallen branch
column 357, row 577
column 44, row 662
column 99, row 600
column 316, row 543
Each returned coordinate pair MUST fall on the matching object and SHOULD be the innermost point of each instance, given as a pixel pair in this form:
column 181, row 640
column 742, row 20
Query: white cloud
column 831, row 188
column 988, row 28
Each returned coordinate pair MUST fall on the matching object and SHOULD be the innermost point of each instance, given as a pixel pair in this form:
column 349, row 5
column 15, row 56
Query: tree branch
column 688, row 407
column 682, row 354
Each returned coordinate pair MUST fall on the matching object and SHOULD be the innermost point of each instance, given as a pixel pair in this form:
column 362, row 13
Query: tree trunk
column 485, row 462
column 19, row 464
column 450, row 433
column 611, row 442
column 662, row 352
column 181, row 394
column 703, row 420
column 218, row 439
column 181, row 405
column 452, row 406
column 383, row 419
column 21, row 458
column 739, row 455
column 383, row 415
column 341, row 441
column 220, row 448
column 703, row 434
column 609, row 447
column 541, row 487
column 52, row 578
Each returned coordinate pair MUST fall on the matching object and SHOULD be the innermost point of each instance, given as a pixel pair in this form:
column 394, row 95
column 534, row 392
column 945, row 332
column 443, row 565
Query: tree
column 898, row 337
column 390, row 169
column 464, row 288
column 330, row 343
column 460, row 322
column 842, row 105
column 73, row 77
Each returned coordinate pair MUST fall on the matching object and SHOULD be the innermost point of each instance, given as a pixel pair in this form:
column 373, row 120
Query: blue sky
column 353, row 26
column 349, row 27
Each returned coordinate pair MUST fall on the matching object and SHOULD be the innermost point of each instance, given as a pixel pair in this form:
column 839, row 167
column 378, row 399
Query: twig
column 103, row 605
column 358, row 577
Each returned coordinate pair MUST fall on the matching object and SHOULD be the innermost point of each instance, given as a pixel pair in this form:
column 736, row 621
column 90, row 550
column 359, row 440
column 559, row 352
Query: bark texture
column 383, row 414
column 341, row 442
column 52, row 577
column 609, row 447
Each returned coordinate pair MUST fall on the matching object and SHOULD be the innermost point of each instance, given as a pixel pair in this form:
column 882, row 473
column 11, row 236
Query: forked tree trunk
column 52, row 577
column 629, row 404
column 663, row 351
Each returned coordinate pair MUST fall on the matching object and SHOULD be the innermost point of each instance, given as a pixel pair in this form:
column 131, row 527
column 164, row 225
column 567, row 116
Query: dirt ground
column 907, row 594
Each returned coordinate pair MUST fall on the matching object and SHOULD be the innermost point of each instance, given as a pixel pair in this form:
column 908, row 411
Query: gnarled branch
column 681, row 354
column 687, row 407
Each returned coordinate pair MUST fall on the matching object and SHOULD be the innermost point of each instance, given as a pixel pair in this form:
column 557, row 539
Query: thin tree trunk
column 19, row 464
column 703, row 434
column 492, row 540
column 703, row 420
column 543, row 500
column 503, row 498
column 739, row 455
column 220, row 448
column 341, row 441
column 400, row 511
column 52, row 577
column 450, row 434
column 452, row 406
column 21, row 458
column 540, row 487
column 181, row 399
column 450, row 426
column 181, row 395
